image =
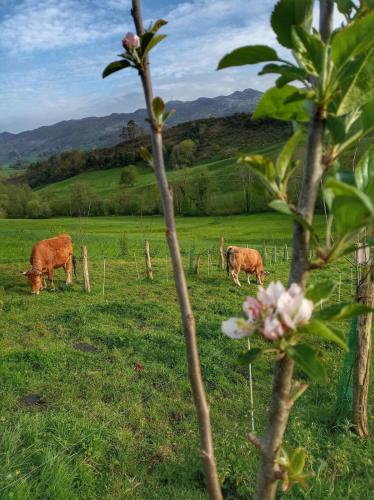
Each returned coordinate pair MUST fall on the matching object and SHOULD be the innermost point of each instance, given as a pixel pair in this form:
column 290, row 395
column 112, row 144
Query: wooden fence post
column 197, row 264
column 221, row 253
column 285, row 253
column 136, row 266
column 361, row 367
column 274, row 259
column 191, row 254
column 104, row 271
column 86, row 276
column 148, row 264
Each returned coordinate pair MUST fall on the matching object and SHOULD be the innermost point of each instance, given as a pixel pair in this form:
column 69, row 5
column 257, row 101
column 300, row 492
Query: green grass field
column 118, row 422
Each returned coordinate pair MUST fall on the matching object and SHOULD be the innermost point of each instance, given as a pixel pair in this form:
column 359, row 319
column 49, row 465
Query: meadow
column 96, row 401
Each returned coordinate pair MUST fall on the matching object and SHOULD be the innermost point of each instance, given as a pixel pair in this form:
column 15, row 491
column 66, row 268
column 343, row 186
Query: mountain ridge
column 97, row 132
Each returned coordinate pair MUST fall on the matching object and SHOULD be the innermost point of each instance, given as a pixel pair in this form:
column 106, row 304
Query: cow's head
column 35, row 280
column 261, row 277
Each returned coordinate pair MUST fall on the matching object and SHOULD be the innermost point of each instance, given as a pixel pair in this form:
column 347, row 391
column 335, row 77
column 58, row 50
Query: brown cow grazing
column 46, row 256
column 246, row 259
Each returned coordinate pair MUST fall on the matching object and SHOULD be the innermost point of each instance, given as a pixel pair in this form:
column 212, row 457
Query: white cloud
column 62, row 47
column 51, row 24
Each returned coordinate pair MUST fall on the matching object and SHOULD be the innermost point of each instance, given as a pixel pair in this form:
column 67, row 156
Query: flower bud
column 131, row 41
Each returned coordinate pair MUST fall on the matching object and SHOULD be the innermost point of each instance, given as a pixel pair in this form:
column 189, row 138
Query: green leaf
column 289, row 72
column 321, row 330
column 301, row 95
column 261, row 164
column 157, row 25
column 272, row 104
column 343, row 311
column 320, row 291
column 115, row 66
column 337, row 128
column 158, row 106
column 155, row 40
column 345, row 6
column 284, row 158
column 250, row 54
column 297, row 462
column 364, row 173
column 249, row 356
column 289, row 13
column 357, row 84
column 354, row 39
column 349, row 214
column 367, row 116
column 168, row 114
column 342, row 189
column 308, row 360
column 309, row 49
column 146, row 156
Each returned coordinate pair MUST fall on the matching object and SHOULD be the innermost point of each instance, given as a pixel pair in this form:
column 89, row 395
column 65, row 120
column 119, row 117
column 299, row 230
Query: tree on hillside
column 200, row 193
column 37, row 208
column 183, row 154
column 128, row 176
column 246, row 181
column 83, row 200
column 131, row 131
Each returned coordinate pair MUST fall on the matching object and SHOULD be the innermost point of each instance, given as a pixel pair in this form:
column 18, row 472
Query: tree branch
column 281, row 392
column 194, row 369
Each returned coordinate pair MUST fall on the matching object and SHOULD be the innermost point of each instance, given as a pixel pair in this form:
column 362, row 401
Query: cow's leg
column 235, row 277
column 258, row 279
column 68, row 267
column 248, row 278
column 44, row 282
column 50, row 278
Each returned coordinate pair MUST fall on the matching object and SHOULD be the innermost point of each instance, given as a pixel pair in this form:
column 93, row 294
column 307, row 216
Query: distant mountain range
column 98, row 132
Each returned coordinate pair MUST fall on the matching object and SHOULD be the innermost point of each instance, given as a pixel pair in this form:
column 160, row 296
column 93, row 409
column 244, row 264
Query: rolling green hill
column 222, row 179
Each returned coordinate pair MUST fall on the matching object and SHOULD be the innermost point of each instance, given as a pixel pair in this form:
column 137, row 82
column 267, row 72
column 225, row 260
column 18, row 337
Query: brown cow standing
column 46, row 256
column 246, row 259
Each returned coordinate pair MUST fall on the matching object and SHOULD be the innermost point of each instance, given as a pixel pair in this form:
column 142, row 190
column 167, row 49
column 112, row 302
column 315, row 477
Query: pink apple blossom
column 131, row 41
column 273, row 328
column 252, row 308
column 270, row 296
column 237, row 328
column 274, row 313
column 293, row 308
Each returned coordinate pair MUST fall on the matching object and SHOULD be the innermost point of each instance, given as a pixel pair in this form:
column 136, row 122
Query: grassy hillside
column 225, row 185
column 117, row 421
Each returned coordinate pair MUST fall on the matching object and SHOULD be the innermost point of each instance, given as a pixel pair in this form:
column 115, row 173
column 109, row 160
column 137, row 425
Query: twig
column 194, row 368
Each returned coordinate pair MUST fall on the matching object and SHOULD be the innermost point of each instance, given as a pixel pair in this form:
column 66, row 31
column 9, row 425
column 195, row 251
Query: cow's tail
column 229, row 253
column 74, row 262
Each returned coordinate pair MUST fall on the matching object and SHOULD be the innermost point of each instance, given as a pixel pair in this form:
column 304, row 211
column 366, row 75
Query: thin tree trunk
column 194, row 369
column 86, row 276
column 279, row 407
column 148, row 264
column 361, row 368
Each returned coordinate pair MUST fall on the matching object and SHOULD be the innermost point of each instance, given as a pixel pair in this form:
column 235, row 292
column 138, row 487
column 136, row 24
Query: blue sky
column 52, row 53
